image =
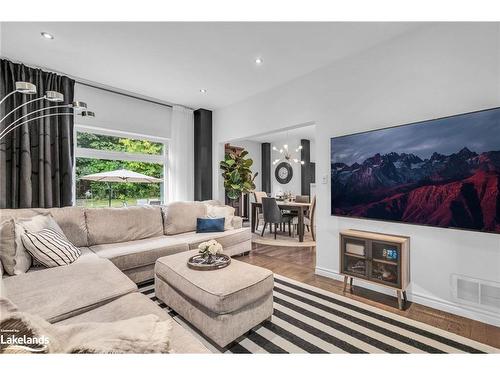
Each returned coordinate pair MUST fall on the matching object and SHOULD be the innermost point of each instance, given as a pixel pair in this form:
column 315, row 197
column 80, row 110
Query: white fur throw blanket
column 143, row 334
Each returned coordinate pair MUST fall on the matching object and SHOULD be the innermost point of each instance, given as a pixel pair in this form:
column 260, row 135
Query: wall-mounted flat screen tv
column 443, row 172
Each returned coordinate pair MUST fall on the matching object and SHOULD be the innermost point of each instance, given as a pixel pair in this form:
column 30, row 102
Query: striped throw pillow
column 50, row 248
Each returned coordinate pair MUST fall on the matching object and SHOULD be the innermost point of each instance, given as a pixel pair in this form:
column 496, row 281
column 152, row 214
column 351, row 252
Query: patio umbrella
column 121, row 175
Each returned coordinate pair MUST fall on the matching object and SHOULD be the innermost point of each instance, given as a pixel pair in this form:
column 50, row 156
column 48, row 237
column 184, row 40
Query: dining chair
column 309, row 219
column 258, row 195
column 302, row 199
column 273, row 215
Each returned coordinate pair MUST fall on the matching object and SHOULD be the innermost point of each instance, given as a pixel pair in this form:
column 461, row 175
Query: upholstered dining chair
column 302, row 199
column 273, row 215
column 309, row 219
column 258, row 195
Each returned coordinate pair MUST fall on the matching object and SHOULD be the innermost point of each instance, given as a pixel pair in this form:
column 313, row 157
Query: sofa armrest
column 237, row 222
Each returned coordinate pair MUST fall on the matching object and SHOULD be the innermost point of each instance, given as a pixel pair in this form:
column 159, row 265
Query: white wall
column 123, row 113
column 439, row 70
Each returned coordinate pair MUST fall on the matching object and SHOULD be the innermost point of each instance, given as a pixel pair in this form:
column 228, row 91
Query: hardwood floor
column 298, row 263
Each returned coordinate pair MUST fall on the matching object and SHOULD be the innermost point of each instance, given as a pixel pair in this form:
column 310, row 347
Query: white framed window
column 101, row 150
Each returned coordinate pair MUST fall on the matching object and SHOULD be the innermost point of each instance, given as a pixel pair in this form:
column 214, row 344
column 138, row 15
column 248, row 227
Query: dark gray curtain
column 36, row 160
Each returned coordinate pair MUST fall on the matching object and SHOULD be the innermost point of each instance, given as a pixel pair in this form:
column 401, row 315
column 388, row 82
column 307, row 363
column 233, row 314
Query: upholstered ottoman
column 224, row 303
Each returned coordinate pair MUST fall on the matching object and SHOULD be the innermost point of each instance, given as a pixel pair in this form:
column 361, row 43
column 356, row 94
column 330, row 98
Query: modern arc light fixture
column 27, row 88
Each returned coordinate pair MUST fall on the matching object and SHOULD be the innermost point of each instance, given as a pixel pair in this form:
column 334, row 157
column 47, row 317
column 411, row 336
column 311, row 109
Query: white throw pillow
column 22, row 259
column 50, row 248
column 226, row 212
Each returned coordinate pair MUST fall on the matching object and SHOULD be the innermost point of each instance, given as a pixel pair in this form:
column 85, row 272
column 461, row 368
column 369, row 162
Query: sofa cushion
column 223, row 291
column 132, row 254
column 87, row 255
column 213, row 202
column 70, row 219
column 59, row 293
column 225, row 212
column 137, row 304
column 110, row 225
column 180, row 217
column 237, row 222
column 226, row 239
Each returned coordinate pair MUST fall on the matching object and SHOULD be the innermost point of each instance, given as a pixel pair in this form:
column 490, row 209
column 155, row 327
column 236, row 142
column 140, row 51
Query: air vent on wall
column 481, row 293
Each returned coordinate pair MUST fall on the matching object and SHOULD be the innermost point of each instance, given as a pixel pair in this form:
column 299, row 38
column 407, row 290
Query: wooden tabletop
column 287, row 204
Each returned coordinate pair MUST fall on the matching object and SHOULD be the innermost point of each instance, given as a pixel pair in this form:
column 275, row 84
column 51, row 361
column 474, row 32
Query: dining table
column 300, row 208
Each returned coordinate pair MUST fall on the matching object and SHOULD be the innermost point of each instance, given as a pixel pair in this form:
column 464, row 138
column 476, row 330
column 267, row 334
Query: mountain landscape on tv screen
column 459, row 189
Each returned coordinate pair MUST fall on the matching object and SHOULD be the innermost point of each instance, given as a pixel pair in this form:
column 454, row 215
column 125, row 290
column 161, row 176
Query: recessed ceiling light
column 258, row 61
column 203, row 91
column 47, row 35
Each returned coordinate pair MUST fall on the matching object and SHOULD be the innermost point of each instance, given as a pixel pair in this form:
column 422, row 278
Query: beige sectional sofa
column 119, row 249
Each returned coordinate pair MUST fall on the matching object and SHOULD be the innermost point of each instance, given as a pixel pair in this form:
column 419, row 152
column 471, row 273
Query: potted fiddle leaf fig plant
column 237, row 174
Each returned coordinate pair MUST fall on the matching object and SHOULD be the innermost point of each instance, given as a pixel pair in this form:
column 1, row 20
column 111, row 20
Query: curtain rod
column 121, row 93
column 94, row 85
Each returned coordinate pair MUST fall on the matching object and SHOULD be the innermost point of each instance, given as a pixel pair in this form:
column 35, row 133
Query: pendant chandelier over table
column 286, row 155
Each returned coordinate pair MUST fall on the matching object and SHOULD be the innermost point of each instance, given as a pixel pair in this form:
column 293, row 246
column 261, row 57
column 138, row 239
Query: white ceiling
column 173, row 61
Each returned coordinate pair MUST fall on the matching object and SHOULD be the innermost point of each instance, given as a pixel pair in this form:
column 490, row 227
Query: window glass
column 96, row 194
column 123, row 144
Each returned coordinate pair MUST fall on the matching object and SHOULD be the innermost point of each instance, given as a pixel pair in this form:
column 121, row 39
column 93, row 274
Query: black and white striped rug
column 310, row 320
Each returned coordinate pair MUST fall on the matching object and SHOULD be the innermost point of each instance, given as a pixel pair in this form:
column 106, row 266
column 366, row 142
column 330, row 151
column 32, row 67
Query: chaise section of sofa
column 137, row 304
column 62, row 292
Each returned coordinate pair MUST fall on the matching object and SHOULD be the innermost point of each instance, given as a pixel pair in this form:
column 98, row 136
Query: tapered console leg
column 400, row 301
column 345, row 283
column 350, row 283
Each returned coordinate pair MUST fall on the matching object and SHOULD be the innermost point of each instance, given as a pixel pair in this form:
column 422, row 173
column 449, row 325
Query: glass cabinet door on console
column 355, row 256
column 376, row 258
column 385, row 259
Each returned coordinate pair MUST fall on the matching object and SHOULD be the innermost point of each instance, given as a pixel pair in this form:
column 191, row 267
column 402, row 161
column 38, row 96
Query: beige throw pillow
column 226, row 212
column 15, row 259
column 21, row 261
column 180, row 217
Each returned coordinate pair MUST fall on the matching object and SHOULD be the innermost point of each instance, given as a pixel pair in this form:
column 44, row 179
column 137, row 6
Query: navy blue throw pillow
column 204, row 225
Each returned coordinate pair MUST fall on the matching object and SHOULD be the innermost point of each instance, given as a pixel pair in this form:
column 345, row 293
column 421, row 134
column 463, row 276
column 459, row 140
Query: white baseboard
column 470, row 312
